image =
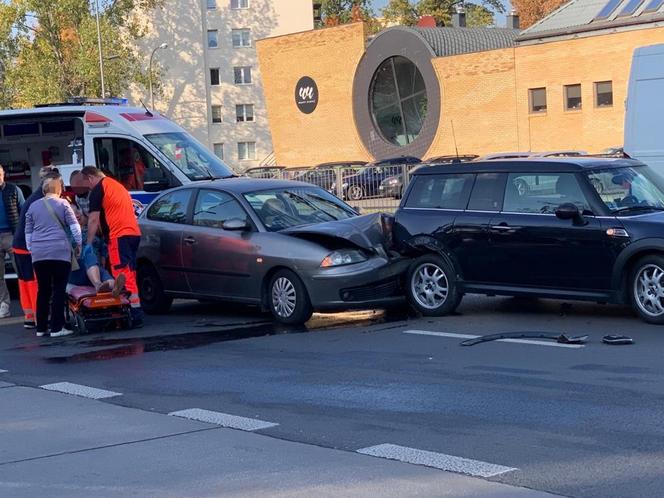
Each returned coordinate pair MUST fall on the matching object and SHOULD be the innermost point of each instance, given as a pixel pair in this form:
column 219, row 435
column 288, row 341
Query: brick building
column 561, row 84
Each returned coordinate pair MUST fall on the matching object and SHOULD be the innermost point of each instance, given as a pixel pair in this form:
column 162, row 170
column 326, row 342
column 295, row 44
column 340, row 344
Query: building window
column 604, row 93
column 398, row 100
column 537, row 99
column 572, row 97
column 214, row 76
column 244, row 112
column 211, row 4
column 218, row 150
column 246, row 151
column 242, row 75
column 239, row 4
column 213, row 38
column 216, row 114
column 241, row 38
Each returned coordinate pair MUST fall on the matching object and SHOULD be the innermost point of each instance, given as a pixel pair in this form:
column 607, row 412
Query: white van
column 644, row 116
column 140, row 148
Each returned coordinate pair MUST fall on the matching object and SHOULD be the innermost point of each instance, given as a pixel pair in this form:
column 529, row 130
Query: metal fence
column 369, row 189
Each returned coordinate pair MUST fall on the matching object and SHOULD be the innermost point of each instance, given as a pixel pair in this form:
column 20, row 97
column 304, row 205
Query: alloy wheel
column 649, row 290
column 284, row 297
column 429, row 286
column 355, row 192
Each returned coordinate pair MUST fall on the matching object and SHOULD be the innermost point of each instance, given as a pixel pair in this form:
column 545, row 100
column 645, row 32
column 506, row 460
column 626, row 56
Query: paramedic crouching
column 111, row 209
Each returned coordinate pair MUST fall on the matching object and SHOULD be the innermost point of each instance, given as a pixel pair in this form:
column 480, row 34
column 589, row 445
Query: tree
column 335, row 12
column 531, row 11
column 407, row 13
column 56, row 51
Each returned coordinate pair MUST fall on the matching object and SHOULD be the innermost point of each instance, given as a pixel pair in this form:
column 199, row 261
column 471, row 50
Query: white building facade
column 210, row 82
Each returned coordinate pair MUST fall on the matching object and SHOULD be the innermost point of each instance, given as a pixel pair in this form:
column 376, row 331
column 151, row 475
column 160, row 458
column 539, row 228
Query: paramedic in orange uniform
column 111, row 209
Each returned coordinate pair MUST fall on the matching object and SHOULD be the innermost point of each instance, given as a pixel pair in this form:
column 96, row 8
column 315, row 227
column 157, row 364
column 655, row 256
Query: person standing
column 50, row 229
column 27, row 282
column 11, row 201
column 112, row 210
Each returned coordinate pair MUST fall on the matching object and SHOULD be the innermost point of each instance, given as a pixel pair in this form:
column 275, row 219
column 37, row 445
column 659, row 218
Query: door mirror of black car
column 235, row 224
column 569, row 211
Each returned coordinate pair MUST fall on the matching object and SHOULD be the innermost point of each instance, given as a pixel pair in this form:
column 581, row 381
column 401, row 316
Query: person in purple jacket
column 52, row 233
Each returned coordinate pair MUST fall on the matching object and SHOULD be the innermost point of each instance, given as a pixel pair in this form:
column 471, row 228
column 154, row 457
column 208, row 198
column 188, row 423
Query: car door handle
column 189, row 240
column 504, row 227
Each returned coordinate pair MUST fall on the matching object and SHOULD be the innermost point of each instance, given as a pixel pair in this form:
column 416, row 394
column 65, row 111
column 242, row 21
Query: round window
column 398, row 99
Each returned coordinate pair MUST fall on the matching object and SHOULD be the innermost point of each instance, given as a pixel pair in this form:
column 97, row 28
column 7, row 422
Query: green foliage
column 407, row 12
column 341, row 11
column 53, row 52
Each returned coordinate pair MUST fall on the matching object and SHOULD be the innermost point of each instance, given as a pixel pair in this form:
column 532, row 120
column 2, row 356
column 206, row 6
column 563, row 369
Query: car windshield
column 189, row 156
column 629, row 190
column 291, row 207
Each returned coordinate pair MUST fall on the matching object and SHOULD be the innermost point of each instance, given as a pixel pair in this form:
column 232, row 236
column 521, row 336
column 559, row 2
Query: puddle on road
column 133, row 346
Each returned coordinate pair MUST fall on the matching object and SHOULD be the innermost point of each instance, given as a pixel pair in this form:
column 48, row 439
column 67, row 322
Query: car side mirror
column 154, row 180
column 235, row 225
column 569, row 211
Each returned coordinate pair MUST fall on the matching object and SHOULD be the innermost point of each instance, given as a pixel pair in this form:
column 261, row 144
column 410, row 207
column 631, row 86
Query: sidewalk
column 57, row 445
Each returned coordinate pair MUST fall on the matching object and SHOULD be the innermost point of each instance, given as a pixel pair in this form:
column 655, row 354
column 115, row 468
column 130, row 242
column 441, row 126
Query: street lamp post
column 162, row 47
column 101, row 56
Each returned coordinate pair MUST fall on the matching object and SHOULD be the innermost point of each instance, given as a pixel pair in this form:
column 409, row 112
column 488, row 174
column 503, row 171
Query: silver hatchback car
column 286, row 246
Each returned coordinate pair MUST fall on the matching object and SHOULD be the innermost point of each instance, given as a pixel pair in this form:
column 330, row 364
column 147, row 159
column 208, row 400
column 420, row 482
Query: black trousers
column 52, row 279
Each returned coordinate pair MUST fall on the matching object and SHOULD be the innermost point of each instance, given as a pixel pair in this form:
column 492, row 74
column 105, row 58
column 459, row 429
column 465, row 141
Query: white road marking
column 223, row 419
column 440, row 461
column 3, row 371
column 80, row 390
column 514, row 341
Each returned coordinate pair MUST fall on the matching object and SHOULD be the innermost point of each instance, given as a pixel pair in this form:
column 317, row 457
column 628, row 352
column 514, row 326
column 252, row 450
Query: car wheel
column 646, row 285
column 431, row 286
column 355, row 193
column 288, row 298
column 151, row 291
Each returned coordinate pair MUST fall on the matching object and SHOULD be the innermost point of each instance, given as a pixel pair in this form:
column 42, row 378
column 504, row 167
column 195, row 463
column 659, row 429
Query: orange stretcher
column 89, row 311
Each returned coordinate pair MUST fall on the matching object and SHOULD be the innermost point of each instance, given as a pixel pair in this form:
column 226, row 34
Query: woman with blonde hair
column 51, row 229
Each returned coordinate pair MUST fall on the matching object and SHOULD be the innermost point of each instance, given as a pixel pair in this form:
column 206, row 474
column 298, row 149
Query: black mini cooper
column 574, row 228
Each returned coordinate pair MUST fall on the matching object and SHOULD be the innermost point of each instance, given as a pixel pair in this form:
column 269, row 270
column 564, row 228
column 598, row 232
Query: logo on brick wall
column 306, row 95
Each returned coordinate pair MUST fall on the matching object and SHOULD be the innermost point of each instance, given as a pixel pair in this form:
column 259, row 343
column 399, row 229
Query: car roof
column 543, row 165
column 242, row 185
column 340, row 163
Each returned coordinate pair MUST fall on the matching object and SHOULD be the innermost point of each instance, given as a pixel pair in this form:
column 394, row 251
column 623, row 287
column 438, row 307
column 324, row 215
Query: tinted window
column 488, row 192
column 126, row 161
column 542, row 193
column 213, row 208
column 440, row 191
column 171, row 208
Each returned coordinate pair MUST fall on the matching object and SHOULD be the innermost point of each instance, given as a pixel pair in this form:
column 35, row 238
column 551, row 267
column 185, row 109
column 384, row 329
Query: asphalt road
column 585, row 421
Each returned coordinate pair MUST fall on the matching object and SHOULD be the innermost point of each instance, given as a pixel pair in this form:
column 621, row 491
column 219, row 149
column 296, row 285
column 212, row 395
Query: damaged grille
column 378, row 290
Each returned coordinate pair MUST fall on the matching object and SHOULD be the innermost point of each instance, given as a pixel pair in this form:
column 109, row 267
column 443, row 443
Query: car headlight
column 343, row 257
column 344, row 184
column 393, row 181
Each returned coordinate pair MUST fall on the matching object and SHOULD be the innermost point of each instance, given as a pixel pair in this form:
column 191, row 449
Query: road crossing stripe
column 532, row 342
column 440, row 461
column 223, row 419
column 80, row 390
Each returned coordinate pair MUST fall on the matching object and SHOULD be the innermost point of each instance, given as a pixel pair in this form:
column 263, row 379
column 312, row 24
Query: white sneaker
column 4, row 310
column 42, row 334
column 62, row 332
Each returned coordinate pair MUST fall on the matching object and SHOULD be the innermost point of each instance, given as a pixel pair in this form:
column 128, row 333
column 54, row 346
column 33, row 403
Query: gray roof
column 454, row 41
column 577, row 16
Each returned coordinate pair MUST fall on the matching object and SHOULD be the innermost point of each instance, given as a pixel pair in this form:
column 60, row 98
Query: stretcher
column 89, row 311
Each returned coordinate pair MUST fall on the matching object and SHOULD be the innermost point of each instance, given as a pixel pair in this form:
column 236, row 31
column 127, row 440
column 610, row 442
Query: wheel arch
column 423, row 244
column 628, row 258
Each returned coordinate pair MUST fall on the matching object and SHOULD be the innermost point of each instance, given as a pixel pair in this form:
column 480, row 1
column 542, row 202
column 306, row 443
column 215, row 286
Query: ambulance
column 140, row 148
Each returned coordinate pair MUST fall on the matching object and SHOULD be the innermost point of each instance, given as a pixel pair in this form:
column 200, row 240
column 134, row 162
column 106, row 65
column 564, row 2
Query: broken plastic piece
column 617, row 339
column 561, row 338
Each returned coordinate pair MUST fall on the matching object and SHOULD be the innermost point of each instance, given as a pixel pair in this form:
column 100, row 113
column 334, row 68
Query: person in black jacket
column 11, row 200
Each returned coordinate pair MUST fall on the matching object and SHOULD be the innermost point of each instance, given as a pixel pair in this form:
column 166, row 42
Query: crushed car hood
column 372, row 232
